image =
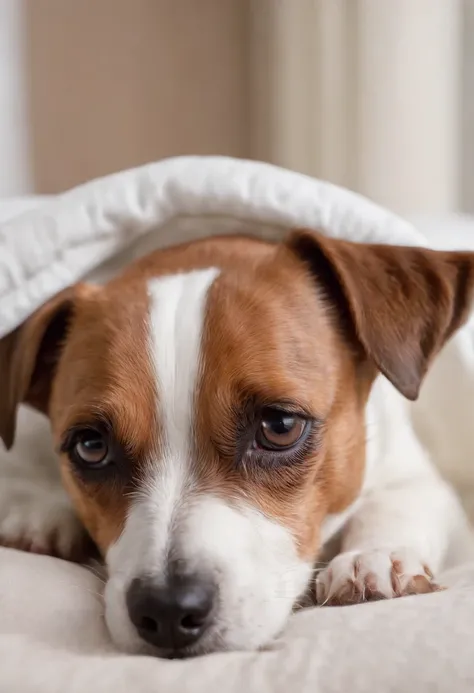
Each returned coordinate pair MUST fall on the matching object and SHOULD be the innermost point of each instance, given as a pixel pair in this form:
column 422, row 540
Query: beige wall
column 336, row 88
column 467, row 131
column 117, row 83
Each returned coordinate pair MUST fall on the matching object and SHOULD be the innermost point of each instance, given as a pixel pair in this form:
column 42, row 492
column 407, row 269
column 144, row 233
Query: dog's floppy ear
column 28, row 357
column 400, row 303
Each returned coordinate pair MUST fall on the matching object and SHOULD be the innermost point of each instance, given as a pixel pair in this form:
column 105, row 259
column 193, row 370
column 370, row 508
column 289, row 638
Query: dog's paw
column 39, row 519
column 355, row 577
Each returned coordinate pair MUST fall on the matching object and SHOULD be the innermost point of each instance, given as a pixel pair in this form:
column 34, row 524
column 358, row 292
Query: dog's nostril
column 192, row 621
column 148, row 624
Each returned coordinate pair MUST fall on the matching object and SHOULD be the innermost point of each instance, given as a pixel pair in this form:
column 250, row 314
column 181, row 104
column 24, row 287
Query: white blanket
column 51, row 632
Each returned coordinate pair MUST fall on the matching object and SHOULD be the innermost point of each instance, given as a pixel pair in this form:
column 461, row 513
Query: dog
column 222, row 411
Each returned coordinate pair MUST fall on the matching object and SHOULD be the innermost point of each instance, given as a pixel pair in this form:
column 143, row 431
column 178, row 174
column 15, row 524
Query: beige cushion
column 53, row 638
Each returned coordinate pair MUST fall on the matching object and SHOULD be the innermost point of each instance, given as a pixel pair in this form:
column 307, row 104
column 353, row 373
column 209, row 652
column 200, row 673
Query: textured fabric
column 43, row 251
column 52, row 635
column 53, row 640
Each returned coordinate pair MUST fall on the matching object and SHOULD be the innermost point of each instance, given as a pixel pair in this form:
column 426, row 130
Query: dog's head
column 208, row 407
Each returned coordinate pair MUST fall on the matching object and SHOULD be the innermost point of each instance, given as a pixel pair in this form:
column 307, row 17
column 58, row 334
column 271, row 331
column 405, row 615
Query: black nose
column 173, row 616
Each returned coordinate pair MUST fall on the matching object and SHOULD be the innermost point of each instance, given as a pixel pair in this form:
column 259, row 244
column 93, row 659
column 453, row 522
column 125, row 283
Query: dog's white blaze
column 177, row 309
column 176, row 317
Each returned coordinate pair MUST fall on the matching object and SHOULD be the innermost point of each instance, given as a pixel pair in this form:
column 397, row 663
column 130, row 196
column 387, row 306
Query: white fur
column 252, row 559
column 354, row 575
column 405, row 509
column 35, row 510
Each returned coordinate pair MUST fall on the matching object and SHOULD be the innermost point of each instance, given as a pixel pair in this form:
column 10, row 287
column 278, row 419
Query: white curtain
column 365, row 93
column 15, row 161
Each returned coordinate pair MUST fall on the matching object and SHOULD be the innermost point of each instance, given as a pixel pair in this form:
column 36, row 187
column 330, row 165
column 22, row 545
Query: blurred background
column 375, row 95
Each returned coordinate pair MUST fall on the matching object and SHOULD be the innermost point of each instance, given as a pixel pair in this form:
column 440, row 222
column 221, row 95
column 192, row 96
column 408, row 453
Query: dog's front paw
column 354, row 577
column 39, row 519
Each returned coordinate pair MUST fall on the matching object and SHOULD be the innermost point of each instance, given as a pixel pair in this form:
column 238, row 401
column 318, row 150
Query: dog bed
column 52, row 635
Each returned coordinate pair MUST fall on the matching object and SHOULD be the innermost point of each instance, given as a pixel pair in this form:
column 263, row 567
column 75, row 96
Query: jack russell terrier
column 221, row 411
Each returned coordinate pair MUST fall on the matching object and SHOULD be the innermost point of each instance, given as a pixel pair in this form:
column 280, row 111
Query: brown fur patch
column 105, row 374
column 269, row 338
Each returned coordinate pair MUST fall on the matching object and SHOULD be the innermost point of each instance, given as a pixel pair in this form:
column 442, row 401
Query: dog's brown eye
column 280, row 430
column 91, row 449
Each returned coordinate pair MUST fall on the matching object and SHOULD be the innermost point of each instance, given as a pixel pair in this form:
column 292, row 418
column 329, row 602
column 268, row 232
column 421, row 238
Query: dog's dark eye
column 280, row 430
column 91, row 449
